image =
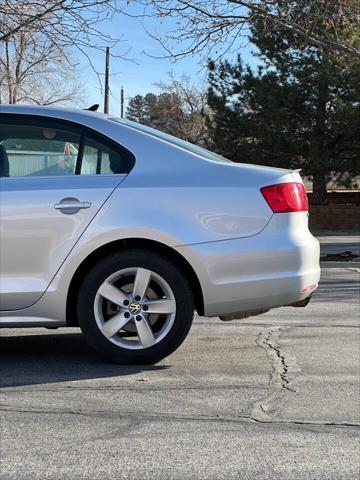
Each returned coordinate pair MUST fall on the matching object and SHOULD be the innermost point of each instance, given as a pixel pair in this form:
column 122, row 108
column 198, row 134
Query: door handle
column 71, row 205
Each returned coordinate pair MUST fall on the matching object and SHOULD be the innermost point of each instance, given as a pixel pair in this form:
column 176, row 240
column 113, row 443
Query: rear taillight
column 286, row 197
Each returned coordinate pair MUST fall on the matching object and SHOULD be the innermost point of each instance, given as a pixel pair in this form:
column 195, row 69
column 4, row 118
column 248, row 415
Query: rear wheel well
column 127, row 244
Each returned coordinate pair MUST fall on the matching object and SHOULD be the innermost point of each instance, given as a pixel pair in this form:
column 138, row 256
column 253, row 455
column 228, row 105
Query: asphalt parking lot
column 272, row 397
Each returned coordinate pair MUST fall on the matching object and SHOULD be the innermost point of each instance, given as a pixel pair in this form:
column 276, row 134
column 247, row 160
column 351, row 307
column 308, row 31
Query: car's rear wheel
column 135, row 307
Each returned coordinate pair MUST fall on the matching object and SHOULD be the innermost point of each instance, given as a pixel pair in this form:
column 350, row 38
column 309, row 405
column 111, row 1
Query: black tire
column 128, row 259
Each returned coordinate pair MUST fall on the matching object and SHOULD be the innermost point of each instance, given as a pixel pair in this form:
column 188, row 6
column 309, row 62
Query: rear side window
column 38, row 149
column 101, row 158
column 44, row 147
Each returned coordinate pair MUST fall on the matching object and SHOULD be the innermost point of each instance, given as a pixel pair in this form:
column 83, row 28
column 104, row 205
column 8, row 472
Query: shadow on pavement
column 41, row 359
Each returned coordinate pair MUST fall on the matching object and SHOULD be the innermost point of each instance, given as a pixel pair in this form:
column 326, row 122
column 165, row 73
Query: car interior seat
column 4, row 162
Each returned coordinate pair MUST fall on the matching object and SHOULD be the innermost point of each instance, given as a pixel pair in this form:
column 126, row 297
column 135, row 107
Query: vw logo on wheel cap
column 134, row 308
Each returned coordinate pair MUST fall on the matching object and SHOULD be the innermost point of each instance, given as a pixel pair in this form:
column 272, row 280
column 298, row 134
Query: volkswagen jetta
column 125, row 231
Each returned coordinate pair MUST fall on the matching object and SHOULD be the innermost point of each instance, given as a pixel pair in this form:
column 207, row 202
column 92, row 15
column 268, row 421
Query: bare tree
column 179, row 109
column 207, row 26
column 34, row 70
column 190, row 123
column 65, row 23
column 215, row 26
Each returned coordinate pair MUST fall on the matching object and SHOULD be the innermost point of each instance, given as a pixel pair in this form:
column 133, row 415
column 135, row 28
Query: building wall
column 334, row 218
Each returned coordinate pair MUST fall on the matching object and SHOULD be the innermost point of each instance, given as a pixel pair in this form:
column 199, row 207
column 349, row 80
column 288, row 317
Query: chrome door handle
column 71, row 205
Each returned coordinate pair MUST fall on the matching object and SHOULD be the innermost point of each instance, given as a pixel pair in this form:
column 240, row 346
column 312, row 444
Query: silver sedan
column 125, row 231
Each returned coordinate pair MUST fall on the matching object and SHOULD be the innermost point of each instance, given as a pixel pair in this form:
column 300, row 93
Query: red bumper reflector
column 309, row 288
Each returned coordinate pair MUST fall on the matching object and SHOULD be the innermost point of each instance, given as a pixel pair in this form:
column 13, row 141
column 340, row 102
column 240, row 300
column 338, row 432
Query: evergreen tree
column 299, row 109
column 136, row 110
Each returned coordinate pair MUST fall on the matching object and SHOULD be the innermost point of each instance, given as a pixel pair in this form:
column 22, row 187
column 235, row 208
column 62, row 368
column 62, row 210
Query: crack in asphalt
column 138, row 417
column 284, row 369
column 313, row 324
column 127, row 388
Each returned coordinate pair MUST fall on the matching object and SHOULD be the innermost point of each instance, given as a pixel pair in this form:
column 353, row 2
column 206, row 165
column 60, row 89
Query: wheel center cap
column 134, row 308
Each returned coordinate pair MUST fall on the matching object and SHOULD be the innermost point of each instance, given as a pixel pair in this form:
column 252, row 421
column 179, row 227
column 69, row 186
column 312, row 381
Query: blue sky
column 140, row 75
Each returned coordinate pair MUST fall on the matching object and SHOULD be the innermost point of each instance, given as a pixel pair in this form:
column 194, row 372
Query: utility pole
column 122, row 102
column 107, row 89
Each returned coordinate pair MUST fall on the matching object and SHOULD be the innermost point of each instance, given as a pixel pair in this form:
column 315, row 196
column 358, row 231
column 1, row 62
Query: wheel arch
column 126, row 244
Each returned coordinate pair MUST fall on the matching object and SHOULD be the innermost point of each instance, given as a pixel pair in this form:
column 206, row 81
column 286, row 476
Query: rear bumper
column 272, row 269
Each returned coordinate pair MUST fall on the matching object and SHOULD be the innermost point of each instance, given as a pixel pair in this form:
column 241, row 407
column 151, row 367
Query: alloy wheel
column 135, row 308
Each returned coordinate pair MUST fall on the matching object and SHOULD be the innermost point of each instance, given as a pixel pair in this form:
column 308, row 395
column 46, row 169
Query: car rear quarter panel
column 261, row 272
column 187, row 198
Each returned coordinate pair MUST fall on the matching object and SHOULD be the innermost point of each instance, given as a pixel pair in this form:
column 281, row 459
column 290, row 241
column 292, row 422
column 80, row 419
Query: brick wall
column 350, row 197
column 341, row 218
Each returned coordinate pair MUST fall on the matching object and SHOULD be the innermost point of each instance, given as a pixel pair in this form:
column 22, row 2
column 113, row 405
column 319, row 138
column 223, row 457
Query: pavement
column 272, row 397
column 333, row 243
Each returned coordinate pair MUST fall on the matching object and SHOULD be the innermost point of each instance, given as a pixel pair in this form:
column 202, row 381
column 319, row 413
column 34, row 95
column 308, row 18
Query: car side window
column 35, row 147
column 101, row 158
